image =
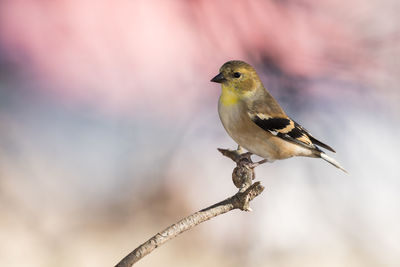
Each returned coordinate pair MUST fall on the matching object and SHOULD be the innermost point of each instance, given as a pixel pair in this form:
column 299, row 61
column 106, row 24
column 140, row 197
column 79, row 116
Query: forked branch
column 242, row 177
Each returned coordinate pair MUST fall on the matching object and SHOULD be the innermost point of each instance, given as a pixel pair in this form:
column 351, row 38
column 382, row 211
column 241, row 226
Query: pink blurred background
column 109, row 130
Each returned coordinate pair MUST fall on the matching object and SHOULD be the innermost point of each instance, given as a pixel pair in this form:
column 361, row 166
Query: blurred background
column 109, row 130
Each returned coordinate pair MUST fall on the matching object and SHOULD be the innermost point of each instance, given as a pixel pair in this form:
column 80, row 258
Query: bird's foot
column 258, row 163
column 243, row 174
column 240, row 149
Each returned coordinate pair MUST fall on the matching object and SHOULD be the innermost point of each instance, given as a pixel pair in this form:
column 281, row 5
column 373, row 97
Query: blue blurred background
column 109, row 130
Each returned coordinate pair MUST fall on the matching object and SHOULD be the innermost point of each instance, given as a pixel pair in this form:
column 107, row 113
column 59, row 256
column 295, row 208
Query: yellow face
column 238, row 77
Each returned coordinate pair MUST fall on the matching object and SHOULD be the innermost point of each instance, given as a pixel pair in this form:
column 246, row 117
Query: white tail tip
column 332, row 161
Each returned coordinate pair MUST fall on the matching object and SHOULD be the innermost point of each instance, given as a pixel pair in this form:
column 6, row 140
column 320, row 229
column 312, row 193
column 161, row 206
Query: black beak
column 219, row 78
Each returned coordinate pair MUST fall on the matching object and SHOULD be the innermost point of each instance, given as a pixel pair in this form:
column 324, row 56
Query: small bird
column 255, row 120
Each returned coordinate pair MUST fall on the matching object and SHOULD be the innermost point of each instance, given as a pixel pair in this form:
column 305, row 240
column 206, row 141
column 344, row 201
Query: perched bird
column 255, row 120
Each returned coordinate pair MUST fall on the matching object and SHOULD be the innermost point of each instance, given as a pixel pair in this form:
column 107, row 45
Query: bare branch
column 242, row 177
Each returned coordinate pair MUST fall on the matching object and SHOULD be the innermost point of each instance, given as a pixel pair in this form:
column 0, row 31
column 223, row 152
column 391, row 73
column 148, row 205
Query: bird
column 255, row 121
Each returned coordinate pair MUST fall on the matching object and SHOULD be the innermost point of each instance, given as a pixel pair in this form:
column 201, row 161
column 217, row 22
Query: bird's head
column 238, row 76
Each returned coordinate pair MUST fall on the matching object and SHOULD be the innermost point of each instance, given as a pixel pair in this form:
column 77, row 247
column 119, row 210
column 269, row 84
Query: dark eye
column 236, row 74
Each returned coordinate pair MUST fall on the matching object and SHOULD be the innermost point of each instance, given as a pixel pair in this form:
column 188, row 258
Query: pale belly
column 254, row 139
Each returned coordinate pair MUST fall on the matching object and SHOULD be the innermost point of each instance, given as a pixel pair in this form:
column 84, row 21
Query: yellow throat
column 228, row 96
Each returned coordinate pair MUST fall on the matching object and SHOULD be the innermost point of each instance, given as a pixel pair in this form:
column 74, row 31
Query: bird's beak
column 219, row 78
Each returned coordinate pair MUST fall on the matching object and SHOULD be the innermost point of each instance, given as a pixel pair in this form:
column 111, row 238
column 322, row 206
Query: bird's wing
column 287, row 129
column 313, row 139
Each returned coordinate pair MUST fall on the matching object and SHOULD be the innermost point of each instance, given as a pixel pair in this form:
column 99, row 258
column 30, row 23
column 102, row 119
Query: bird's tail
column 332, row 161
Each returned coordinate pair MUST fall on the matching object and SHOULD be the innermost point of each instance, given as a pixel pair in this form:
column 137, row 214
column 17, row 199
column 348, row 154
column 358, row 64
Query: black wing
column 288, row 130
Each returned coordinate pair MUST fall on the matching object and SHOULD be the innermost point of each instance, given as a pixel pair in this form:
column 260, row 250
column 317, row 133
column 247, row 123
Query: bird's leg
column 241, row 153
column 255, row 164
column 258, row 163
column 245, row 155
column 239, row 150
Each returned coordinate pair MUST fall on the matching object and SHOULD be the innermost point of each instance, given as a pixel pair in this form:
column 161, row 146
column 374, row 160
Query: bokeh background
column 109, row 130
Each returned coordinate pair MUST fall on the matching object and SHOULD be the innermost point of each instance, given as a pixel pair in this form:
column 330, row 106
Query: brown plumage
column 255, row 120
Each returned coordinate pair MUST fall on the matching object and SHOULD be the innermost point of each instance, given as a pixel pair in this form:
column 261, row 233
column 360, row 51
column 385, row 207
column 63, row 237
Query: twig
column 242, row 177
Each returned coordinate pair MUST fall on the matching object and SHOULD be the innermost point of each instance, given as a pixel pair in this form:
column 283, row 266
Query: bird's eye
column 236, row 74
